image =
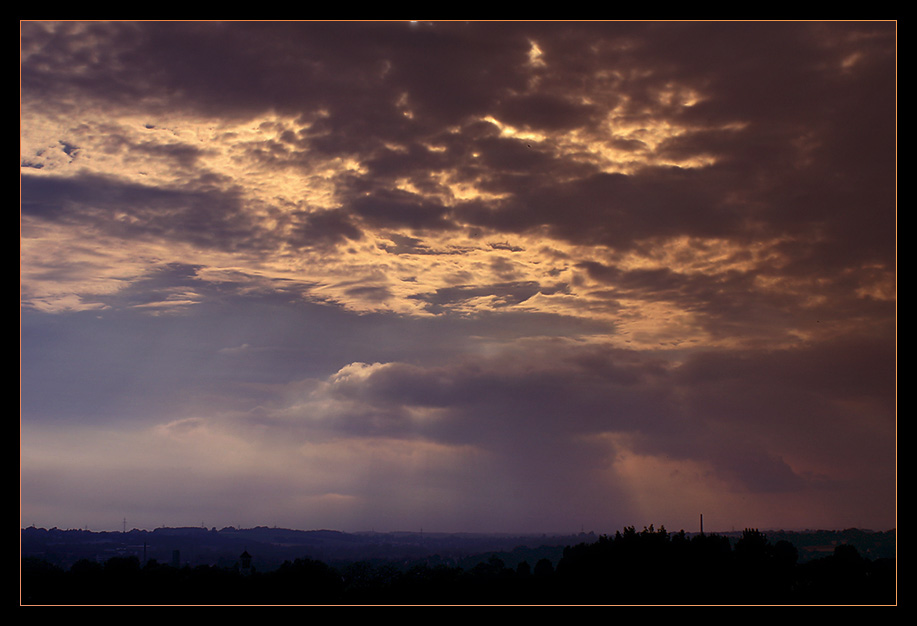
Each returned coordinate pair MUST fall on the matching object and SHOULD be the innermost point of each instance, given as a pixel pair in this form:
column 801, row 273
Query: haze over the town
column 458, row 276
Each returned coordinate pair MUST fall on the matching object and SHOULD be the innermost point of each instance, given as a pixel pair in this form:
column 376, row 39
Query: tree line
column 651, row 566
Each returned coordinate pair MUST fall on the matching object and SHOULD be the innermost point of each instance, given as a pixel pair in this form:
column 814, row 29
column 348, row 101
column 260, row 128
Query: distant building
column 245, row 563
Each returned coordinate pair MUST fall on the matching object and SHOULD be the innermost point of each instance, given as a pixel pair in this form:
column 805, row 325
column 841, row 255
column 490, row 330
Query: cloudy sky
column 524, row 277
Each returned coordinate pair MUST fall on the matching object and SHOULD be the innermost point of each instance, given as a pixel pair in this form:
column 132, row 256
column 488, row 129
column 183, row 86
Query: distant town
column 270, row 547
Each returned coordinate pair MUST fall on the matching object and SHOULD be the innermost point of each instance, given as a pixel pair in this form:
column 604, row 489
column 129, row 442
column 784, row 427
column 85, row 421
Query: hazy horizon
column 434, row 531
column 525, row 277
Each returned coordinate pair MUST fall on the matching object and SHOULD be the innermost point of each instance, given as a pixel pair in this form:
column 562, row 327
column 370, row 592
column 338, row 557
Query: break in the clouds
column 524, row 276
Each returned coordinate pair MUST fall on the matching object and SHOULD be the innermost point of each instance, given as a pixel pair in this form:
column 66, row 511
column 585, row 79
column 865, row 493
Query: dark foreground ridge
column 278, row 566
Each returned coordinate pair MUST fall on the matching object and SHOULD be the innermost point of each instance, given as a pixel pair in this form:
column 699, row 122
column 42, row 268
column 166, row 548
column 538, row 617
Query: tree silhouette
column 651, row 566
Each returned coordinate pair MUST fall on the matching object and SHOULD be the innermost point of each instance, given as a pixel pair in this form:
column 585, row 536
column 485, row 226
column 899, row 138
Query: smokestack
column 702, row 523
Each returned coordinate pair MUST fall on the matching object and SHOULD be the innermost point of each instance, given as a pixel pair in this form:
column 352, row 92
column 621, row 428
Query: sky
column 458, row 276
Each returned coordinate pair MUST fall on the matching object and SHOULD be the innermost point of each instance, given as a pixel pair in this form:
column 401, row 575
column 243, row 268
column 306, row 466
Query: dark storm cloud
column 737, row 176
column 397, row 209
column 846, row 369
column 323, row 228
column 530, row 408
column 198, row 213
column 450, row 69
column 114, row 139
column 805, row 152
column 507, row 159
column 403, row 244
column 154, row 210
column 615, row 210
column 201, row 216
column 545, row 112
column 784, row 85
column 729, row 297
column 799, row 401
column 503, row 294
column 817, row 151
column 729, row 300
column 663, row 408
